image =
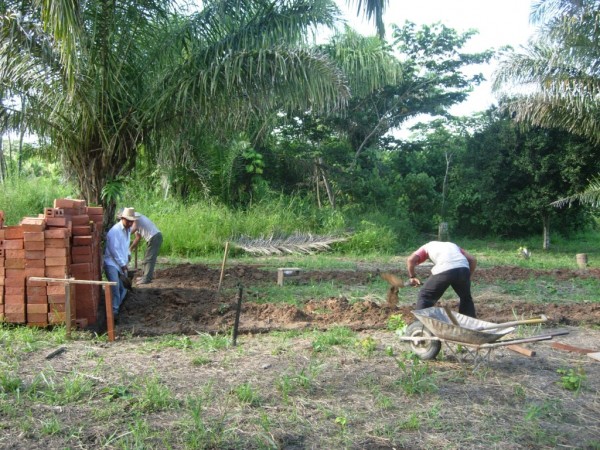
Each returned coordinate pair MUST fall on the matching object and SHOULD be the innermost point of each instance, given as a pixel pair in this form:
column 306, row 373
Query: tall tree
column 555, row 80
column 105, row 79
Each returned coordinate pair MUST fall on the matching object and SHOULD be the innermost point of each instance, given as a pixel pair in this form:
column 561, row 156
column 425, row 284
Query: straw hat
column 129, row 214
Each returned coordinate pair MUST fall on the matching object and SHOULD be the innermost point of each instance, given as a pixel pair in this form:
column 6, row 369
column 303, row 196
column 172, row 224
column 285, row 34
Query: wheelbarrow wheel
column 425, row 349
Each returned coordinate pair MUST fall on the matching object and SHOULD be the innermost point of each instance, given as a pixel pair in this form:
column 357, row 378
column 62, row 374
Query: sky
column 499, row 22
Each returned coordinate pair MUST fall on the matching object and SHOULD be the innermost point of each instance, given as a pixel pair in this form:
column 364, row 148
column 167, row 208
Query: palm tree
column 103, row 79
column 555, row 80
column 372, row 10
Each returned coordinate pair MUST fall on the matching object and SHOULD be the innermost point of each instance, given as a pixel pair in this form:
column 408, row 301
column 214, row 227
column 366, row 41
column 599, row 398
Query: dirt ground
column 184, row 299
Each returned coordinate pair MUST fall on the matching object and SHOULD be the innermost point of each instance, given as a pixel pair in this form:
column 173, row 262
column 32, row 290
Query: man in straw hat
column 116, row 256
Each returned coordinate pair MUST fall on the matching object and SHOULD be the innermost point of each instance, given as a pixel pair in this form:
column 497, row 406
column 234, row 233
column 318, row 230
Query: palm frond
column 295, row 244
column 590, row 196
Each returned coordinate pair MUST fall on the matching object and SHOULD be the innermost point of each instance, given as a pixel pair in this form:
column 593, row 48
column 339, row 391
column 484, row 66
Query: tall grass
column 21, row 197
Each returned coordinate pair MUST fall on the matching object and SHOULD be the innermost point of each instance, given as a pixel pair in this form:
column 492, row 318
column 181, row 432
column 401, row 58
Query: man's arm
column 411, row 262
column 135, row 242
column 472, row 260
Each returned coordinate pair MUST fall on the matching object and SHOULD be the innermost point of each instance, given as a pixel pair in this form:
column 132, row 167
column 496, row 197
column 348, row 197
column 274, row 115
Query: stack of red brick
column 64, row 242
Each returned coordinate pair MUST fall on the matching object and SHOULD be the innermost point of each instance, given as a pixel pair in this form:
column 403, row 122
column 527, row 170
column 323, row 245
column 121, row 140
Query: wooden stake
column 570, row 348
column 451, row 316
column 223, row 266
column 237, row 315
column 522, row 350
column 110, row 321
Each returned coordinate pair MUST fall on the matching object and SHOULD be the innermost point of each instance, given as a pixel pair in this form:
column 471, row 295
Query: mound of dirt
column 184, row 300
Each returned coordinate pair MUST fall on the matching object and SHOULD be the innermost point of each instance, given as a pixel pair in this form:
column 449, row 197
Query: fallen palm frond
column 296, row 244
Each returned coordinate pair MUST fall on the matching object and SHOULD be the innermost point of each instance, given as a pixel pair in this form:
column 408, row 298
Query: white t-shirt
column 144, row 226
column 444, row 255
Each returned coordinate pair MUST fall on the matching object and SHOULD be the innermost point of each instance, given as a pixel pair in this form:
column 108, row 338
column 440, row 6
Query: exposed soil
column 184, row 299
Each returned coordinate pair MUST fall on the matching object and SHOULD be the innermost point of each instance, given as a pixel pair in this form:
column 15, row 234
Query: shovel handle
column 540, row 319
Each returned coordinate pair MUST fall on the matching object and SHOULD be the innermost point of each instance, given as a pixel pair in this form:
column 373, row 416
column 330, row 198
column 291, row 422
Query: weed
column 572, row 379
column 51, row 426
column 412, row 423
column 335, row 336
column 247, row 395
column 154, row 396
column 416, row 377
column 396, row 323
column 366, row 345
column 201, row 361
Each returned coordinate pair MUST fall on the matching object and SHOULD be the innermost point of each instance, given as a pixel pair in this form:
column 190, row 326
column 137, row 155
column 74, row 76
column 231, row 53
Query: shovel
column 540, row 319
column 126, row 281
column 394, row 280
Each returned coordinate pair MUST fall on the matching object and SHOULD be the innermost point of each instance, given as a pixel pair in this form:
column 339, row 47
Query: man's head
column 127, row 217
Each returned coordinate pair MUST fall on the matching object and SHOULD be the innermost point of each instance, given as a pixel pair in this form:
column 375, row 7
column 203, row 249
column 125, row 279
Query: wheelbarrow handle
column 540, row 319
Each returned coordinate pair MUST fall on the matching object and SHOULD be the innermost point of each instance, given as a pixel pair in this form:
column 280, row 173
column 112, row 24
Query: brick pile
column 63, row 242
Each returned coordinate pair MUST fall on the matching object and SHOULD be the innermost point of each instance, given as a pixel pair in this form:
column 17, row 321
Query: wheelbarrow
column 435, row 326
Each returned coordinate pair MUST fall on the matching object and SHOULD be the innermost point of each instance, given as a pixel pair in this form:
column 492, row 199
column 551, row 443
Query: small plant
column 366, row 345
column 572, row 379
column 246, row 394
column 341, row 421
column 396, row 323
column 416, row 378
column 334, row 336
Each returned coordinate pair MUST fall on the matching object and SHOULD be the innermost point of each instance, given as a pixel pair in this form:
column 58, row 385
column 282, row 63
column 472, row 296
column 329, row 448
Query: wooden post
column 237, row 315
column 110, row 321
column 68, row 318
column 223, row 266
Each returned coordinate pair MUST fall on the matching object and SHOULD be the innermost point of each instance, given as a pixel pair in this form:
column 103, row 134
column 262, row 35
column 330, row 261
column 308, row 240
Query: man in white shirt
column 116, row 256
column 145, row 228
column 453, row 266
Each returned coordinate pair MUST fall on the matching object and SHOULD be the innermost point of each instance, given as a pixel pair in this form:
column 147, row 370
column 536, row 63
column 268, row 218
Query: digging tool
column 136, row 251
column 540, row 319
column 394, row 280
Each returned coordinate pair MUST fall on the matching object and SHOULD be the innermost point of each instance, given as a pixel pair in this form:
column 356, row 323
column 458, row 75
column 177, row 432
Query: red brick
column 14, row 281
column 35, row 254
column 35, row 245
column 35, row 283
column 35, row 272
column 61, row 298
column 55, row 289
column 56, row 307
column 58, row 261
column 85, row 241
column 14, row 299
column 1, row 231
column 14, row 290
column 57, row 243
column 14, row 232
column 36, row 290
column 82, row 219
column 15, row 273
column 56, row 233
column 33, row 224
column 36, row 299
column 82, row 230
column 81, row 258
column 95, row 210
column 12, row 244
column 56, row 271
column 56, row 252
column 56, row 317
column 16, row 263
column 35, row 263
column 14, row 317
column 33, row 237
column 61, row 222
column 87, row 250
column 33, row 308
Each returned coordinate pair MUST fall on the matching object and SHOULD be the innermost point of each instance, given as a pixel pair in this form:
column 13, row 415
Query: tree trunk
column 546, row 222
column 443, row 234
column 317, row 182
column 326, row 183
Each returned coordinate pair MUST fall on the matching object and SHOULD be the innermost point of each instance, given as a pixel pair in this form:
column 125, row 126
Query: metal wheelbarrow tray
column 435, row 325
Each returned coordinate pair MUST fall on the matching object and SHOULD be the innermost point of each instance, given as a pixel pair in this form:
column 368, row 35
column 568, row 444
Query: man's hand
column 414, row 281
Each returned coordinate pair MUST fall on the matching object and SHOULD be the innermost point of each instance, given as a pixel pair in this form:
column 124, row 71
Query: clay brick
column 35, row 283
column 81, row 250
column 63, row 203
column 36, row 299
column 2, row 251
column 35, row 272
column 33, row 308
column 36, row 290
column 57, row 261
column 11, row 317
column 57, row 243
column 14, row 308
column 97, row 218
column 32, row 237
column 14, row 299
column 12, row 244
column 35, row 245
column 56, row 271
column 56, row 252
column 56, row 317
column 61, row 222
column 81, row 258
column 15, row 290
column 48, row 212
column 37, row 319
column 13, row 232
column 81, row 267
column 55, row 289
column 15, row 254
column 56, row 233
column 2, row 263
column 35, row 254
column 99, row 210
column 81, row 219
column 33, row 224
column 15, row 273
column 1, row 232
column 17, row 263
column 82, row 241
column 14, row 281
column 35, row 263
column 82, row 230
column 56, row 307
column 62, row 298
